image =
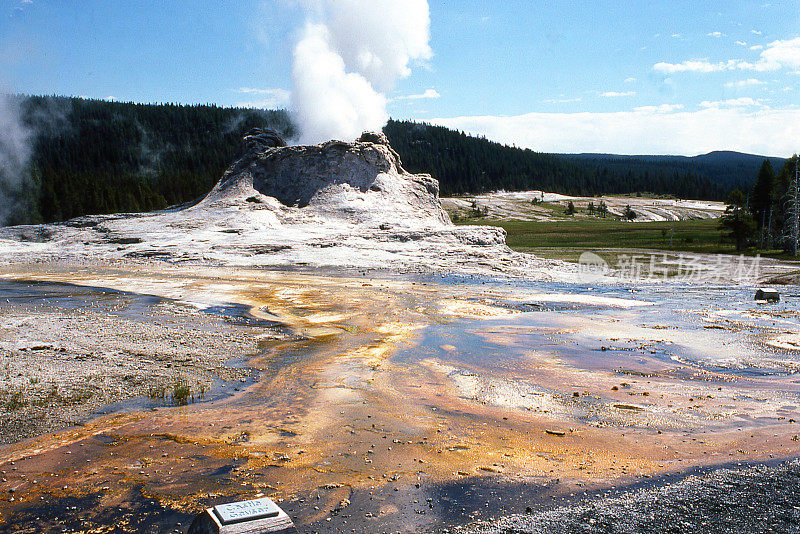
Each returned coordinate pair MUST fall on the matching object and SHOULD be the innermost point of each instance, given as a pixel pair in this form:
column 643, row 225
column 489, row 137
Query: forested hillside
column 94, row 156
column 466, row 164
column 728, row 170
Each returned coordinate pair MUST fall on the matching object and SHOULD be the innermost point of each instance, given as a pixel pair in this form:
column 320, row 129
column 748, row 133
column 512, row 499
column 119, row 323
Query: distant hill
column 465, row 164
column 92, row 156
column 727, row 170
column 716, row 156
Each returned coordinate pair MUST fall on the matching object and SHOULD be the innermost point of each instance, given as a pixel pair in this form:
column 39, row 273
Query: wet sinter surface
column 406, row 404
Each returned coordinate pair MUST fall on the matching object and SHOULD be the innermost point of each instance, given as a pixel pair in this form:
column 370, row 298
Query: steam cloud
column 15, row 150
column 21, row 123
column 349, row 54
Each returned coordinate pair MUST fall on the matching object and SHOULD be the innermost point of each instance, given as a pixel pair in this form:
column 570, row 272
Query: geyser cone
column 360, row 182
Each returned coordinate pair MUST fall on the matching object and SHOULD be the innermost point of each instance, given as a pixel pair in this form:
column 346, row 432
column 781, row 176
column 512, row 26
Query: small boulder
column 769, row 295
column 260, row 139
column 378, row 138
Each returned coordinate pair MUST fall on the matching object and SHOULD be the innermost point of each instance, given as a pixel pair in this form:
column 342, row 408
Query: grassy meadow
column 566, row 239
column 693, row 235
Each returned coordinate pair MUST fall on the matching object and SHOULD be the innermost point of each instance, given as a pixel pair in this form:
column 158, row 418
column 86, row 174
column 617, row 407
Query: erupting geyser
column 350, row 53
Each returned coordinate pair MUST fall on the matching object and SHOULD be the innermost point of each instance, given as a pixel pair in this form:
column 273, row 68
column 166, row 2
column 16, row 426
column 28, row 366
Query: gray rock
column 378, row 138
column 359, row 182
column 770, row 295
column 259, row 139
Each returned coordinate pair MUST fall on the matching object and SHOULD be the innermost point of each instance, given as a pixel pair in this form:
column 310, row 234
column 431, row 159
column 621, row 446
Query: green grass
column 15, row 402
column 181, row 392
column 688, row 236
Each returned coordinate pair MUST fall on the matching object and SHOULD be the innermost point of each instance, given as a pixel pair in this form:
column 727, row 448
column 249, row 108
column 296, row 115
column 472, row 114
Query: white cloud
column 612, row 94
column 693, row 65
column 781, row 54
column 428, row 94
column 254, row 91
column 741, row 43
column 663, row 108
column 715, row 34
column 757, row 47
column 745, row 83
column 676, row 36
column 267, row 98
column 777, row 55
column 731, row 103
column 630, row 80
column 110, row 98
column 755, row 32
column 646, row 130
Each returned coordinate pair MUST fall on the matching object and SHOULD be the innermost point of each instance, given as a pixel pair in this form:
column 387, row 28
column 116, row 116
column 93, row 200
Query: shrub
column 181, row 392
column 15, row 402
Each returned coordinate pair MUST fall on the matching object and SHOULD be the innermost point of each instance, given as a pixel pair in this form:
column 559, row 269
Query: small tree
column 602, row 209
column 477, row 210
column 737, row 221
column 570, row 208
column 629, row 214
column 781, row 225
column 590, row 207
column 761, row 201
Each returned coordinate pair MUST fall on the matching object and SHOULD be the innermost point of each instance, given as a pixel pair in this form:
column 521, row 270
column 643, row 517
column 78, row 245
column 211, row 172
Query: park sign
column 239, row 512
column 256, row 516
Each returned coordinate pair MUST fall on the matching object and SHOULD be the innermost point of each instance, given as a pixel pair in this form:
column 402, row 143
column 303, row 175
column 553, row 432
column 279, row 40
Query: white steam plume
column 15, row 150
column 349, row 53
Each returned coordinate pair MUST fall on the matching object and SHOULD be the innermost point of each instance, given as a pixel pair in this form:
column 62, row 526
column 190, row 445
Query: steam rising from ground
column 349, row 53
column 15, row 150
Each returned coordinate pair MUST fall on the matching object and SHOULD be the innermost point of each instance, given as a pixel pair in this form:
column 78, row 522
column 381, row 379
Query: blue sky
column 609, row 76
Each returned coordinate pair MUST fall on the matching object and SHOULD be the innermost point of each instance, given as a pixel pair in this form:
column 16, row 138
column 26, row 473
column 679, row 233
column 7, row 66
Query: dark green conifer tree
column 737, row 220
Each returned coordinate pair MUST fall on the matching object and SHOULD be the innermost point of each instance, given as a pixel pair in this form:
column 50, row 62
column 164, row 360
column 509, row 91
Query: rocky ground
column 66, row 354
column 757, row 499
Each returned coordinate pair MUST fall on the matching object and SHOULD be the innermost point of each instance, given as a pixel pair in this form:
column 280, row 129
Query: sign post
column 257, row 516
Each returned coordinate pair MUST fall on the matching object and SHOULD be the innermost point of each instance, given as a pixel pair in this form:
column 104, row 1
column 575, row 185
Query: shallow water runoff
column 367, row 402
